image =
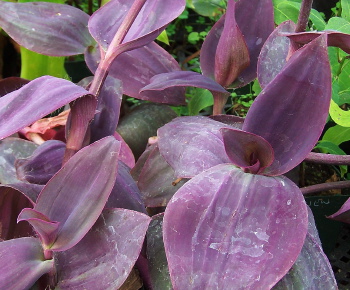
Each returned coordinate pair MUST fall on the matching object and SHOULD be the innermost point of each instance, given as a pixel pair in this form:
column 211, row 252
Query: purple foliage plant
column 75, row 215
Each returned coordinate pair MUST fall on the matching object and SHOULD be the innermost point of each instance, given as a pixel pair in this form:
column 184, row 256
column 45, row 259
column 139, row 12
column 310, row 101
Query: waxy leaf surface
column 226, row 229
column 192, row 144
column 104, row 258
column 12, row 149
column 292, row 109
column 148, row 24
column 47, row 28
column 22, row 263
column 45, row 161
column 274, row 53
column 34, row 101
column 76, row 195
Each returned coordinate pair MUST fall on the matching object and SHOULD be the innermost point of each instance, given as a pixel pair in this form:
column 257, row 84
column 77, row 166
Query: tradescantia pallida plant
column 235, row 223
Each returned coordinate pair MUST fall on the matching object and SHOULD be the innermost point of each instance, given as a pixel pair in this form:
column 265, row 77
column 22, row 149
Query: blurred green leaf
column 338, row 115
column 339, row 24
column 345, row 6
column 208, row 7
column 337, row 134
column 289, row 10
column 200, row 100
column 163, row 37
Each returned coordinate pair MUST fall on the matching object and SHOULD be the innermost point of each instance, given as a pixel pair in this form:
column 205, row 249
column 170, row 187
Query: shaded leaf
column 75, row 202
column 104, row 258
column 157, row 180
column 158, row 263
column 192, row 144
column 34, row 101
column 226, row 229
column 125, row 154
column 293, row 109
column 200, row 100
column 337, row 134
column 11, row 204
column 22, row 263
column 11, row 84
column 47, row 28
column 108, row 109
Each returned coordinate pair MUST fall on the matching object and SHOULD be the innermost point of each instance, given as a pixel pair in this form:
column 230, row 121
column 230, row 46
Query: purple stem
column 304, row 14
column 325, row 186
column 328, row 158
column 78, row 132
column 220, row 100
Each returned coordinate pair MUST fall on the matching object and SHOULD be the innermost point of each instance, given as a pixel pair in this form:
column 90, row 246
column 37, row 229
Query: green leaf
column 339, row 24
column 208, row 7
column 163, row 37
column 256, row 87
column 344, row 77
column 345, row 9
column 330, row 147
column 338, row 115
column 200, row 100
column 289, row 10
column 337, row 134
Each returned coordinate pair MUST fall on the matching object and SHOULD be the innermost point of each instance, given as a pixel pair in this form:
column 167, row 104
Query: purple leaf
column 105, row 256
column 138, row 67
column 12, row 149
column 11, row 204
column 256, row 22
column 248, row 151
column 192, row 144
column 11, row 84
column 29, row 190
column 45, row 161
column 46, row 28
column 334, row 38
column 343, row 214
column 108, row 107
column 234, row 121
column 76, row 195
column 156, row 179
column 273, row 55
column 232, row 55
column 35, row 100
column 226, row 229
column 181, row 79
column 22, row 263
column 291, row 111
column 125, row 193
column 149, row 23
column 46, row 229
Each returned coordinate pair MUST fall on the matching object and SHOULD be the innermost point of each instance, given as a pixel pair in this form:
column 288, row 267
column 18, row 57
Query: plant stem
column 220, row 100
column 79, row 132
column 325, row 186
column 304, row 15
column 102, row 70
column 328, row 158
